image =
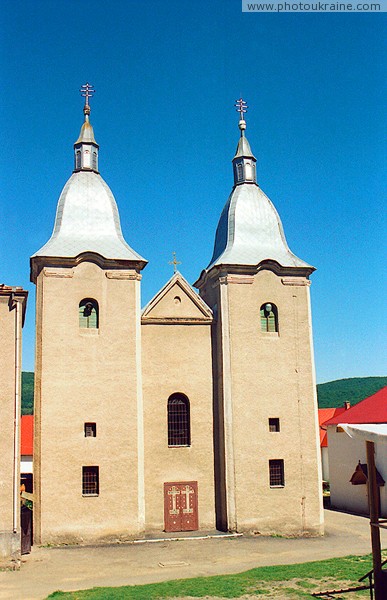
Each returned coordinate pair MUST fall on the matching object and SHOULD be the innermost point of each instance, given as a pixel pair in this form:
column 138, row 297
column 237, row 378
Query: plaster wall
column 269, row 375
column 9, row 541
column 177, row 358
column 26, row 464
column 344, row 455
column 86, row 375
column 325, row 463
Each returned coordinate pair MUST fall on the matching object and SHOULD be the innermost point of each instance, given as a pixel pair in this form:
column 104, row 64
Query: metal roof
column 243, row 148
column 87, row 220
column 86, row 134
column 250, row 231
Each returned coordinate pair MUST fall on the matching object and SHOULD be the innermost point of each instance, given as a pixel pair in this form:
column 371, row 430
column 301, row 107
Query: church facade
column 198, row 411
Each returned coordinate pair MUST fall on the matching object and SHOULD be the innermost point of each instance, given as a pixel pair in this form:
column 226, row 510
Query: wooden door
column 181, row 506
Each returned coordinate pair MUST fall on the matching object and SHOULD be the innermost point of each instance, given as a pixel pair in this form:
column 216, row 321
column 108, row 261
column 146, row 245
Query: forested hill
column 333, row 393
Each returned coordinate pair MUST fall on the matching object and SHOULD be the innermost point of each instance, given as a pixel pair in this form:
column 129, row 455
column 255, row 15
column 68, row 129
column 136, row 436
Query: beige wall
column 176, row 346
column 86, row 376
column 267, row 375
column 9, row 469
column 344, row 455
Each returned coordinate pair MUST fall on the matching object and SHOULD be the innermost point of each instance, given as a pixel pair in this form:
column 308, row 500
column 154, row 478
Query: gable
column 176, row 303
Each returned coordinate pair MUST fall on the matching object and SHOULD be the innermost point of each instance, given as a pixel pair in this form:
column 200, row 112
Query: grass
column 300, row 581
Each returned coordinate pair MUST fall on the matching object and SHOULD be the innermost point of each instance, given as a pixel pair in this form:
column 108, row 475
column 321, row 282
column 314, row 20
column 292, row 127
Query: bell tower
column 266, row 443
column 88, row 459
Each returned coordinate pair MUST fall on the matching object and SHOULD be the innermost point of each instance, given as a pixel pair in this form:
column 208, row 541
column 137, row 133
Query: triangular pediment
column 177, row 302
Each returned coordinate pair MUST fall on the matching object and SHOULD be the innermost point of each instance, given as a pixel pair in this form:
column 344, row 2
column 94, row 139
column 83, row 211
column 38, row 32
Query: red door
column 181, row 506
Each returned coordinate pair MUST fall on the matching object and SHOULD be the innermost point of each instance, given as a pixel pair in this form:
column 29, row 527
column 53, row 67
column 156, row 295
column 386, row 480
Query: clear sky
column 167, row 74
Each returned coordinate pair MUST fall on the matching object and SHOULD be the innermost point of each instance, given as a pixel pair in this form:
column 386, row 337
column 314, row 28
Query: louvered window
column 78, row 159
column 239, row 169
column 90, row 481
column 94, row 159
column 178, row 421
column 269, row 317
column 88, row 314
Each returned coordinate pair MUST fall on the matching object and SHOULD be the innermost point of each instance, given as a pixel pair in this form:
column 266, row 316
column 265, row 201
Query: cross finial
column 241, row 107
column 87, row 91
column 174, row 262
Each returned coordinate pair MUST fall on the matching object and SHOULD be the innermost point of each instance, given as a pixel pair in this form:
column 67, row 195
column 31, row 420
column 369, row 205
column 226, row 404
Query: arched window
column 179, row 433
column 239, row 169
column 88, row 314
column 78, row 159
column 269, row 317
column 94, row 158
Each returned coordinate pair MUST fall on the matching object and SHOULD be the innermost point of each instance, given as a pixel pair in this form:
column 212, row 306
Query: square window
column 90, row 430
column 90, row 481
column 276, row 472
column 274, row 424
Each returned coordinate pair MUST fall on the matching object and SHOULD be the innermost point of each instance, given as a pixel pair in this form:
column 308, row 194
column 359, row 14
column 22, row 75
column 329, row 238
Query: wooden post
column 374, row 521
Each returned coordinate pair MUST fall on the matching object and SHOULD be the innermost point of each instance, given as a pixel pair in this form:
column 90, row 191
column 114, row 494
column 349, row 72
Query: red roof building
column 27, row 435
column 370, row 410
column 325, row 414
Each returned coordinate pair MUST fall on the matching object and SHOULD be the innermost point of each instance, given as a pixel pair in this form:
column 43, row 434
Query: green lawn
column 290, row 581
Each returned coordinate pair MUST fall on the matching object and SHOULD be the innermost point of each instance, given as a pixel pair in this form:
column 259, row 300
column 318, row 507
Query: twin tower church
column 197, row 412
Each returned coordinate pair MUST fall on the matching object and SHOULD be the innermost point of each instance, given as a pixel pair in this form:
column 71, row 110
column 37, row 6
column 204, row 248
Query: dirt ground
column 46, row 570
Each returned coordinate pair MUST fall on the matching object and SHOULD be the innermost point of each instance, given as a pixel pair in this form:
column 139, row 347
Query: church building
column 197, row 412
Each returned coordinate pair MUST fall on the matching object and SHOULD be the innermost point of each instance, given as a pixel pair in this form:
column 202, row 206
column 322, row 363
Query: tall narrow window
column 90, row 481
column 94, row 161
column 239, row 169
column 269, row 317
column 178, row 421
column 276, row 473
column 78, row 159
column 88, row 314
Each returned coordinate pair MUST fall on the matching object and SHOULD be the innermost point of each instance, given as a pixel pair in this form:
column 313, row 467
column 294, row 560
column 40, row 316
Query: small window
column 90, row 430
column 94, row 161
column 274, row 424
column 90, row 481
column 88, row 314
column 78, row 159
column 276, row 472
column 239, row 169
column 269, row 317
column 178, row 421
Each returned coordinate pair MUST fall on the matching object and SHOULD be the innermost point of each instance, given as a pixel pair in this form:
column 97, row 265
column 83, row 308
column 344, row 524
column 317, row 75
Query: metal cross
column 174, row 262
column 241, row 107
column 87, row 91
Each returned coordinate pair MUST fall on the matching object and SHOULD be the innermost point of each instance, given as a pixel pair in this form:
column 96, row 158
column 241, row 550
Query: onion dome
column 250, row 231
column 87, row 218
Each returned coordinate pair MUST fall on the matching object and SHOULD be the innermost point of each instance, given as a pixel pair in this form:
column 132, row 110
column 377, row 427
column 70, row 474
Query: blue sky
column 167, row 74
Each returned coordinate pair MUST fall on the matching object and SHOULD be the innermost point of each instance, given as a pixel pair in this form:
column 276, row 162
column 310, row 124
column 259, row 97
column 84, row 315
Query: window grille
column 90, row 430
column 88, row 314
column 269, row 317
column 178, row 421
column 276, row 471
column 90, row 481
column 274, row 424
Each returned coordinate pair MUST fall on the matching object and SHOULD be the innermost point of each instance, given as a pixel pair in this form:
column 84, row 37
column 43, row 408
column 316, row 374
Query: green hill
column 335, row 393
column 27, row 401
column 332, row 393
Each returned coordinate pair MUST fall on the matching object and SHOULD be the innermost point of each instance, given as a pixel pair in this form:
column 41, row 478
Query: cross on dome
column 241, row 107
column 87, row 91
